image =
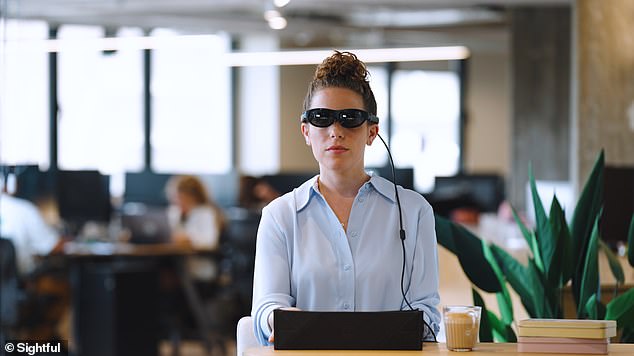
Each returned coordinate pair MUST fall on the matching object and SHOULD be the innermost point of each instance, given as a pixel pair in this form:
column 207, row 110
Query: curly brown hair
column 342, row 70
column 195, row 188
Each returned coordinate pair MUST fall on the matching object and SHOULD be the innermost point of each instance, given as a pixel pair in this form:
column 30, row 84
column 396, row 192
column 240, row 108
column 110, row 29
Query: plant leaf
column 586, row 210
column 503, row 297
column 501, row 332
column 537, row 281
column 559, row 230
column 630, row 243
column 543, row 232
column 591, row 307
column 472, row 260
column 515, row 274
column 525, row 232
column 613, row 261
column 444, row 235
column 621, row 309
column 590, row 276
column 486, row 332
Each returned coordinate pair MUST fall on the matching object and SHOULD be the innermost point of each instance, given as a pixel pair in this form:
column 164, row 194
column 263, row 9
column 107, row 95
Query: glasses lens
column 321, row 117
column 352, row 117
column 348, row 118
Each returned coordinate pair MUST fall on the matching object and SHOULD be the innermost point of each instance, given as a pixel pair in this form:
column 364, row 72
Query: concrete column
column 603, row 104
column 540, row 42
column 295, row 156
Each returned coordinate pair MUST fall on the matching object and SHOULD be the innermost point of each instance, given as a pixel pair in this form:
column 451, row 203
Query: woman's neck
column 344, row 184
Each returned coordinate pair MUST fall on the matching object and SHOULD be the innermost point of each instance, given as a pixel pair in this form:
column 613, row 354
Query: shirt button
column 347, row 267
column 361, row 200
column 354, row 234
column 346, row 306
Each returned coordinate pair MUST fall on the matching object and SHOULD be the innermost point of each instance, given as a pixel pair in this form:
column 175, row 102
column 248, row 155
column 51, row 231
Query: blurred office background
column 108, row 99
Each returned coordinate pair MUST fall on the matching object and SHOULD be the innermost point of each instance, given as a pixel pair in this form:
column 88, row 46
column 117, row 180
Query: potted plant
column 560, row 256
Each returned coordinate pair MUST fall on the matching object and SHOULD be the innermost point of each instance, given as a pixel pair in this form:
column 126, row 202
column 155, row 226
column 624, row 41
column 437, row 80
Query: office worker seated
column 256, row 193
column 195, row 219
column 333, row 243
column 22, row 223
column 44, row 308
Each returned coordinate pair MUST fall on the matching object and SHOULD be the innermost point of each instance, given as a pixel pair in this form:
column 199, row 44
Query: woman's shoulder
column 203, row 210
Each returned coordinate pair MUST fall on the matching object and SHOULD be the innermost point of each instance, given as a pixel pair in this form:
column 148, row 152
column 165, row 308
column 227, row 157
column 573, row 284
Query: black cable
column 402, row 233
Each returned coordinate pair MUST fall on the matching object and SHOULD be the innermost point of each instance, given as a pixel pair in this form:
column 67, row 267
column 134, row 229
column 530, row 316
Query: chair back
column 9, row 292
column 245, row 337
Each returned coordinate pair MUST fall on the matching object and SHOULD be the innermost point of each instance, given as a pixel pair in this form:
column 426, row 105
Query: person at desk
column 42, row 315
column 256, row 193
column 333, row 243
column 195, row 220
column 22, row 223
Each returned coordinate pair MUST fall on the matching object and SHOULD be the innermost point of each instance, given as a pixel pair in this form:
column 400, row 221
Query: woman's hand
column 271, row 322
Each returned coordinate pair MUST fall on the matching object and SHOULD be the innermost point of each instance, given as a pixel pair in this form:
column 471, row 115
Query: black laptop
column 389, row 330
column 148, row 227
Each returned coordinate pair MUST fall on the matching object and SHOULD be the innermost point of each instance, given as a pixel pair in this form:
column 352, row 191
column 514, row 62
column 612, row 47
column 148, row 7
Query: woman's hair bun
column 342, row 70
column 341, row 64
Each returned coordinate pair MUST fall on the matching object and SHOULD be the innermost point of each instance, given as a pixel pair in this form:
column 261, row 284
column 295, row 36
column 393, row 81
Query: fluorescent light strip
column 375, row 55
column 241, row 59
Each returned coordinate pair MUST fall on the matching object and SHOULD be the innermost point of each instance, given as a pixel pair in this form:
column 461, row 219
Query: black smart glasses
column 348, row 118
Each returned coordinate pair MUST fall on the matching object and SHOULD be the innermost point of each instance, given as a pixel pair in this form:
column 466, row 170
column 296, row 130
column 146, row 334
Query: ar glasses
column 348, row 118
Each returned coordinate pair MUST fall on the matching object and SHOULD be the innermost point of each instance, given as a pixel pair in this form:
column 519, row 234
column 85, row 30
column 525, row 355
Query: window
column 426, row 125
column 376, row 155
column 101, row 103
column 191, row 107
column 24, row 115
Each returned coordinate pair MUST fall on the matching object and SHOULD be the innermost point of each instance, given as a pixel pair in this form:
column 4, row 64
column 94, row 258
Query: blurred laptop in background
column 146, row 225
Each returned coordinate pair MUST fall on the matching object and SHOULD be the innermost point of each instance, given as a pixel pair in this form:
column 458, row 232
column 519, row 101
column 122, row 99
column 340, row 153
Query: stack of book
column 568, row 336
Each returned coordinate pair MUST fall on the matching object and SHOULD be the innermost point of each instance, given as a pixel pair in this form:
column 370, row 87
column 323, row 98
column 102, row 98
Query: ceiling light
column 277, row 23
column 240, row 59
column 271, row 14
column 374, row 55
column 281, row 3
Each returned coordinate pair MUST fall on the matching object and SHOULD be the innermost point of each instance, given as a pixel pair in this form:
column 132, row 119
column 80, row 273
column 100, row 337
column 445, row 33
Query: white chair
column 245, row 338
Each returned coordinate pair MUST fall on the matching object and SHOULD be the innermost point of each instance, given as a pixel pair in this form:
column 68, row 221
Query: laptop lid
column 150, row 227
column 387, row 330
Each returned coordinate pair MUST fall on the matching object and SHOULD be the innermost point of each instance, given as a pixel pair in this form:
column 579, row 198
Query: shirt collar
column 309, row 189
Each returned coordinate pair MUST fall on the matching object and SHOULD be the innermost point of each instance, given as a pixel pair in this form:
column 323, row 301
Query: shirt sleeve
column 42, row 237
column 271, row 280
column 424, row 285
column 201, row 228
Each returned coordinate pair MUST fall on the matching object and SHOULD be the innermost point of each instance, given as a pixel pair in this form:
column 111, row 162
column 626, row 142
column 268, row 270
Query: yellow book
column 573, row 328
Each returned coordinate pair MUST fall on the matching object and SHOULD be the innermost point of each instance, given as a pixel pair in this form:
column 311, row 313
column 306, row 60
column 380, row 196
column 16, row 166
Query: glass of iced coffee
column 462, row 325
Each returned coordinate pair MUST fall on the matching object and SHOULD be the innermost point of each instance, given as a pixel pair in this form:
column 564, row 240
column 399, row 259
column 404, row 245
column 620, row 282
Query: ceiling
column 309, row 22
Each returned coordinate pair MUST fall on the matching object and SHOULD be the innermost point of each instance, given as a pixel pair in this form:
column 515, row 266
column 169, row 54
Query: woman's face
column 337, row 148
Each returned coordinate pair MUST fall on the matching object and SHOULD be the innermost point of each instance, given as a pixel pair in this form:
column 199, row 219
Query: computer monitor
column 481, row 192
column 83, row 196
column 618, row 204
column 30, row 183
column 146, row 187
column 286, row 182
column 223, row 188
column 403, row 176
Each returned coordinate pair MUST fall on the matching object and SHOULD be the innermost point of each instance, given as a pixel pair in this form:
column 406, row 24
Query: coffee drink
column 462, row 325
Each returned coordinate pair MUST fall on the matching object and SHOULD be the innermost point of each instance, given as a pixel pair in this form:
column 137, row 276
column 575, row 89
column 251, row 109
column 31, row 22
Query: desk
column 115, row 288
column 429, row 349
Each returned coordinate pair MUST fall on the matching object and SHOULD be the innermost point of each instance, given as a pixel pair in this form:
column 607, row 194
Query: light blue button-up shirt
column 304, row 257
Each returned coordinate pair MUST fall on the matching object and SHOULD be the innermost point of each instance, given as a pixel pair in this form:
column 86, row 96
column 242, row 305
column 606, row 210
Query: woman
column 195, row 219
column 333, row 244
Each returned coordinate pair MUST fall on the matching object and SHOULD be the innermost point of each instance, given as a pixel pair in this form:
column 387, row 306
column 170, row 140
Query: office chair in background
column 10, row 294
